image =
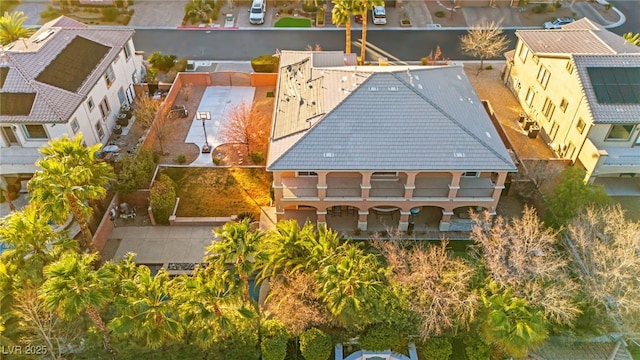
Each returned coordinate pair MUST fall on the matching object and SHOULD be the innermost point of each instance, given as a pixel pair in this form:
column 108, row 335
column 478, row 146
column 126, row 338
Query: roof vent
column 373, row 88
column 458, row 154
column 420, row 86
column 488, row 135
column 328, row 155
column 393, row 88
column 43, row 36
column 416, row 77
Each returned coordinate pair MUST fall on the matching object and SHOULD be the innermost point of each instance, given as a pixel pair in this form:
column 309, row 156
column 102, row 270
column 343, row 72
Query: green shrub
column 439, row 14
column 181, row 159
column 476, row 349
column 161, row 61
column 437, row 349
column 274, row 340
column 310, row 8
column 266, row 63
column 257, row 157
column 131, row 12
column 163, row 198
column 217, row 161
column 537, row 9
column 50, row 13
column 136, row 172
column 315, row 345
column 110, row 13
column 489, row 67
column 379, row 337
column 270, row 94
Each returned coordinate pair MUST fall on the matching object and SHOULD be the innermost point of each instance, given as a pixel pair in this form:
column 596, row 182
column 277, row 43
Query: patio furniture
column 337, row 210
column 351, row 210
column 330, row 211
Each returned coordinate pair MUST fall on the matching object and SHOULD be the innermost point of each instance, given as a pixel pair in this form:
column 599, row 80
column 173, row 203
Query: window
column 35, row 132
column 564, row 104
column 535, row 59
column 90, row 104
column 109, row 76
column 529, row 98
column 580, row 126
column 620, row 132
column 99, row 130
column 104, row 108
column 470, row 174
column 524, row 51
column 548, row 108
column 115, row 60
column 307, row 173
column 74, row 125
column 127, row 50
column 554, row 130
column 569, row 67
column 570, row 150
column 543, row 76
column 384, row 175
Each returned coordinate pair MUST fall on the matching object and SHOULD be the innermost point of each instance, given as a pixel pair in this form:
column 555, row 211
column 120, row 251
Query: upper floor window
column 530, row 95
column 470, row 174
column 104, row 108
column 109, row 76
column 570, row 150
column 383, row 175
column 307, row 173
column 620, row 132
column 564, row 104
column 99, row 130
column 524, row 51
column 569, row 67
column 543, row 76
column 548, row 108
column 535, row 59
column 90, row 104
column 127, row 50
column 580, row 126
column 35, row 131
column 74, row 125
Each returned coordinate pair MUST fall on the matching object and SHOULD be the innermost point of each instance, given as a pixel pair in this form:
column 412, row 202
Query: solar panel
column 615, row 85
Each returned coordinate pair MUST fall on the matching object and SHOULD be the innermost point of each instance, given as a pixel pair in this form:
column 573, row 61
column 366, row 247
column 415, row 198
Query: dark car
column 178, row 111
column 358, row 19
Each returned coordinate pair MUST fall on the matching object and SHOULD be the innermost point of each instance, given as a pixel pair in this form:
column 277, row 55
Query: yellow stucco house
column 581, row 84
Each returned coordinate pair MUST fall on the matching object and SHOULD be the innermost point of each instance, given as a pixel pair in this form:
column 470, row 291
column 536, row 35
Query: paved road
column 631, row 9
column 409, row 45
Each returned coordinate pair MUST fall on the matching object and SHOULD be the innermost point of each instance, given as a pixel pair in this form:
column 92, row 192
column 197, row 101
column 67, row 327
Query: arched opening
column 301, row 213
column 343, row 219
column 425, row 218
column 461, row 219
column 383, row 219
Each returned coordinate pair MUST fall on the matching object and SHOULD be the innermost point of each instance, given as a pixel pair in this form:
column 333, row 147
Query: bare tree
column 438, row 285
column 484, row 41
column 293, row 299
column 523, row 255
column 245, row 125
column 145, row 110
column 605, row 249
column 186, row 91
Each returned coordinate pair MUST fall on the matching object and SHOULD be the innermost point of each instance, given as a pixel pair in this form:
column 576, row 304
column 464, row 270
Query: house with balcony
column 581, row 84
column 66, row 78
column 379, row 147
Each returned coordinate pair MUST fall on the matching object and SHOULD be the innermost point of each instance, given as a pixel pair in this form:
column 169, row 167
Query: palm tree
column 70, row 178
column 73, row 287
column 237, row 246
column 351, row 287
column 198, row 9
column 365, row 7
column 147, row 310
column 11, row 27
column 285, row 248
column 341, row 15
column 205, row 305
column 510, row 322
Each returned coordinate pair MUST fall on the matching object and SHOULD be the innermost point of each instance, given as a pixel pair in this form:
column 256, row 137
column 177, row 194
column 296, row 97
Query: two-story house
column 376, row 147
column 581, row 84
column 65, row 79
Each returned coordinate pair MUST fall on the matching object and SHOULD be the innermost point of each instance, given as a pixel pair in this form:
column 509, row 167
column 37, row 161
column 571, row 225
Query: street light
column 204, row 115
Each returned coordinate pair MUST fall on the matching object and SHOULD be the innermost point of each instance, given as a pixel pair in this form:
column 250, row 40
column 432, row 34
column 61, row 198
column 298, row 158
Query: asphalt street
column 242, row 45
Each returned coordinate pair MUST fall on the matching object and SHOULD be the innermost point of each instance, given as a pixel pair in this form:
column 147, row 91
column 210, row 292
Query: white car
column 558, row 23
column 257, row 12
column 379, row 15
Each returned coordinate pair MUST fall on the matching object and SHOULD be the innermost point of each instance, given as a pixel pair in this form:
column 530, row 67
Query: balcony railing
column 299, row 187
column 475, row 188
column 343, row 187
column 431, row 187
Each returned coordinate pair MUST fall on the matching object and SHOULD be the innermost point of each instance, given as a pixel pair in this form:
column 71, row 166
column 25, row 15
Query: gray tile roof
column 426, row 119
column 607, row 113
column 579, row 37
column 27, row 59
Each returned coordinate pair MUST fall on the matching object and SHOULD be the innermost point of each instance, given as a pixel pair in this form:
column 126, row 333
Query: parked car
column 178, row 111
column 257, row 12
column 379, row 15
column 558, row 23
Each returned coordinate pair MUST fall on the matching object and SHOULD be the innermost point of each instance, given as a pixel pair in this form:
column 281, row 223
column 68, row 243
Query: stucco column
column 277, row 186
column 591, row 176
column 446, row 220
column 322, row 185
column 499, row 186
column 410, row 185
column 365, row 186
column 455, row 184
column 322, row 217
column 362, row 220
column 279, row 213
column 403, row 225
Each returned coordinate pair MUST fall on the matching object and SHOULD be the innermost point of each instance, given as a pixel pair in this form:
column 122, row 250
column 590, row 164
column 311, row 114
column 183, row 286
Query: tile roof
column 28, row 58
column 607, row 113
column 383, row 118
column 579, row 37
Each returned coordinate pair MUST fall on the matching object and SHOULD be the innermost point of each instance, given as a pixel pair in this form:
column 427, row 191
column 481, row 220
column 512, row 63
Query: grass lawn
column 207, row 192
column 289, row 22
